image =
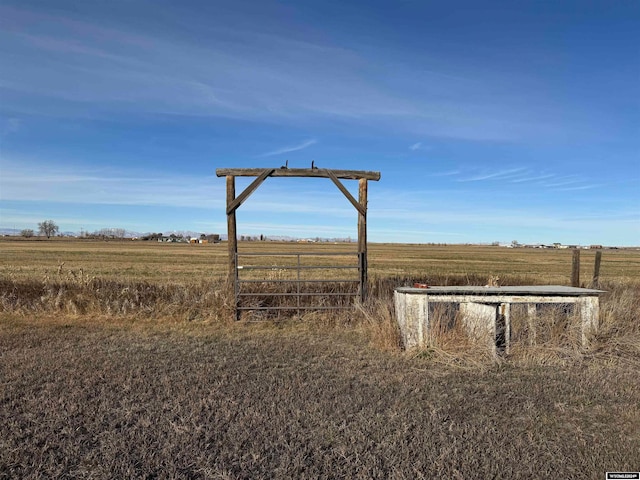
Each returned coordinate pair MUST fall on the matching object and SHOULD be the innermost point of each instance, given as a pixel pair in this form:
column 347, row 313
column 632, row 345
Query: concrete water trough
column 486, row 311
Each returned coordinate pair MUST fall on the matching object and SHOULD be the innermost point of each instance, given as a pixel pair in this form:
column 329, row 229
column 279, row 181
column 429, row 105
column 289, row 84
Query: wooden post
column 575, row 269
column 232, row 236
column 362, row 236
column 596, row 269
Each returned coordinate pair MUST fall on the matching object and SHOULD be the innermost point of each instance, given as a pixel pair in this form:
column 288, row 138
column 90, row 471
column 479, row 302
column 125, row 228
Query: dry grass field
column 161, row 262
column 121, row 360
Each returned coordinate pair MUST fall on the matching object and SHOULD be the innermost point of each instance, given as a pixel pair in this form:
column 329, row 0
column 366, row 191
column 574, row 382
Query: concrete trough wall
column 479, row 322
column 412, row 313
column 485, row 311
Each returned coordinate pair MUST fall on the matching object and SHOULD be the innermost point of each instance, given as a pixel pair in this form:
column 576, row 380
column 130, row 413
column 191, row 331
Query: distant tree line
column 249, row 238
column 152, row 236
column 48, row 229
column 263, row 238
column 107, row 233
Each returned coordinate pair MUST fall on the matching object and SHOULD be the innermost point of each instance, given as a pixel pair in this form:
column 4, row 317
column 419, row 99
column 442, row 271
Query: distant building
column 170, row 239
column 196, row 240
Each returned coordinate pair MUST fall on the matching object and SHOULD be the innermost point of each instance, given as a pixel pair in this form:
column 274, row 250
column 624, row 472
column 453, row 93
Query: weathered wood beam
column 362, row 236
column 299, row 172
column 239, row 200
column 575, row 268
column 346, row 193
column 232, row 236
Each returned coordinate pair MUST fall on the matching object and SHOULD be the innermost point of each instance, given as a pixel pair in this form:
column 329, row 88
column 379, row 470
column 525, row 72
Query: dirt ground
column 122, row 399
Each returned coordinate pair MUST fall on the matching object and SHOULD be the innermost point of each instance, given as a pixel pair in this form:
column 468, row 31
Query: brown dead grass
column 143, row 375
column 158, row 262
column 120, row 399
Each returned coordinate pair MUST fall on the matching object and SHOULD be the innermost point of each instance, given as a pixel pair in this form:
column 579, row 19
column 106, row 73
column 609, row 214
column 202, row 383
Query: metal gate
column 297, row 281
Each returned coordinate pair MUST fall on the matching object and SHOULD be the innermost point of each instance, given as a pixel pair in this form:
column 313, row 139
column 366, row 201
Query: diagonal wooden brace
column 361, row 208
column 239, row 200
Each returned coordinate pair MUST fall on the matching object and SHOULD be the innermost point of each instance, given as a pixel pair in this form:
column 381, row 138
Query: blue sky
column 489, row 121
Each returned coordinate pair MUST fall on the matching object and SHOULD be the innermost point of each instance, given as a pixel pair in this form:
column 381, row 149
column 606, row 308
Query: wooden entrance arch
column 261, row 174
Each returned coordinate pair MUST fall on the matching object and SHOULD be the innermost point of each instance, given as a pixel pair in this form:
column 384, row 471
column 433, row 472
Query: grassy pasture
column 537, row 266
column 123, row 260
column 163, row 262
column 118, row 360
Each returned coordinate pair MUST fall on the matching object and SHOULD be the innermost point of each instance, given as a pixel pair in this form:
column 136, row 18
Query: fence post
column 575, row 269
column 596, row 269
column 362, row 237
column 232, row 240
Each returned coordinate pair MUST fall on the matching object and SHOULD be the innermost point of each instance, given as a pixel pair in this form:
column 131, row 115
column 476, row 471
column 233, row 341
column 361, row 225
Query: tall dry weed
column 552, row 336
column 619, row 331
column 447, row 343
column 378, row 319
column 74, row 293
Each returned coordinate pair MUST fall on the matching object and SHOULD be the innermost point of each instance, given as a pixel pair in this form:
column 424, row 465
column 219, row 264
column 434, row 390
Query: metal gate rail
column 297, row 267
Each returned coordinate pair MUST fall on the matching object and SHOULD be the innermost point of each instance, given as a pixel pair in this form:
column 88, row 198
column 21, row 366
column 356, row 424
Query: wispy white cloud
column 74, row 66
column 448, row 173
column 578, row 187
column 530, row 178
column 525, row 176
column 275, row 211
column 499, row 175
column 39, row 183
column 290, row 148
column 86, row 186
column 419, row 146
column 529, row 224
column 563, row 183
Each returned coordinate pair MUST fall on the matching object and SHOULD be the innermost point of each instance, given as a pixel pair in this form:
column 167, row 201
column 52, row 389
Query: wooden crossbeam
column 299, row 172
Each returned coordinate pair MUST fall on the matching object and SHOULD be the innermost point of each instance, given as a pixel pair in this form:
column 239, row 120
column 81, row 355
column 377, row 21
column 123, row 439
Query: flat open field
column 118, row 360
column 162, row 262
